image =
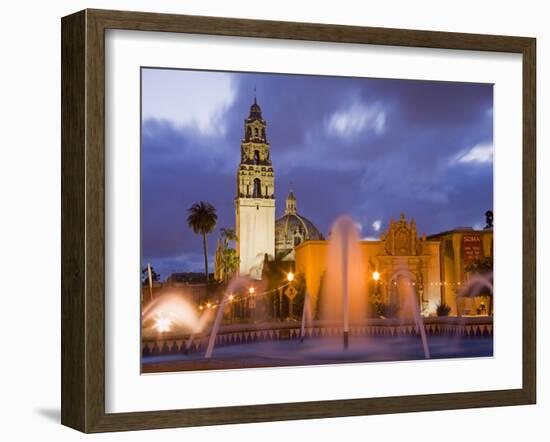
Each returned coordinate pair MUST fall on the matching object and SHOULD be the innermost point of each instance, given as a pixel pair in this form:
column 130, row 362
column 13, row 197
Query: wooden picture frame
column 83, row 220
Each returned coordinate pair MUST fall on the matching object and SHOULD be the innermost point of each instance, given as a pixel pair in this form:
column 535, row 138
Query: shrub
column 375, row 310
column 389, row 310
column 443, row 310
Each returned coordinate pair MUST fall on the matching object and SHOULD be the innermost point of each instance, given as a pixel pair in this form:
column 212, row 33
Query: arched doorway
column 403, row 292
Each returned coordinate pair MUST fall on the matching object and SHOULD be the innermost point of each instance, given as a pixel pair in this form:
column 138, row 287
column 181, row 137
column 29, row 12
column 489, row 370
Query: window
column 257, row 188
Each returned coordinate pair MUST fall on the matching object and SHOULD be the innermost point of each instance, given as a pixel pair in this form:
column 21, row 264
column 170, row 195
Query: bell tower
column 255, row 200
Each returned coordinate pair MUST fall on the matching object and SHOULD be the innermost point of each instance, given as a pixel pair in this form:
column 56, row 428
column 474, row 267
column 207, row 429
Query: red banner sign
column 472, row 247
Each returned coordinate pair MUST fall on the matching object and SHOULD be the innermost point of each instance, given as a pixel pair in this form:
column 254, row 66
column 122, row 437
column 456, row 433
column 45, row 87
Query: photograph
column 300, row 220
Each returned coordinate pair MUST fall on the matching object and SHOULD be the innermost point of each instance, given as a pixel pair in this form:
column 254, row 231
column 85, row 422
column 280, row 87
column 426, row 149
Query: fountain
column 172, row 312
column 409, row 306
column 477, row 285
column 234, row 284
column 307, row 317
column 344, row 291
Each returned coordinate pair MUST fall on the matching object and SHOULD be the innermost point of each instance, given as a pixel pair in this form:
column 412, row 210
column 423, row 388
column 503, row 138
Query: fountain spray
column 345, row 294
column 232, row 286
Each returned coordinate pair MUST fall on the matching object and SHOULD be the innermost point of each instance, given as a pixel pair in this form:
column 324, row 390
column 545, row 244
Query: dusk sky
column 368, row 148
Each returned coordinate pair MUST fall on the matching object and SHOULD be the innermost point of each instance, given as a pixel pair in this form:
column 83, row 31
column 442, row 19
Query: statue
column 488, row 220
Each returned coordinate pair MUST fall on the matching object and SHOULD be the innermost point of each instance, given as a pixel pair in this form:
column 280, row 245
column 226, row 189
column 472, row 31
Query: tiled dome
column 292, row 229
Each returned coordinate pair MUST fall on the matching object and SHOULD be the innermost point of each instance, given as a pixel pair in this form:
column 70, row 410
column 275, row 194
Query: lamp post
column 280, row 306
column 231, row 306
column 345, row 294
column 376, row 279
column 290, row 291
column 252, row 303
column 150, row 278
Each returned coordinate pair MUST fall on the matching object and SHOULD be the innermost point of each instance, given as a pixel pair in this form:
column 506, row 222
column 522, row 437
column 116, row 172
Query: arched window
column 256, row 131
column 263, row 134
column 248, row 133
column 256, row 157
column 257, row 188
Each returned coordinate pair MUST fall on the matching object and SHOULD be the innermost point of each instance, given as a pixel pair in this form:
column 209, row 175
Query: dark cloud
column 369, row 148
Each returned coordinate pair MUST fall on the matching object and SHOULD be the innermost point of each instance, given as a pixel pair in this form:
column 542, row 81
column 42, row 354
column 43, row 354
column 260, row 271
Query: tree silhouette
column 202, row 219
column 228, row 234
column 145, row 275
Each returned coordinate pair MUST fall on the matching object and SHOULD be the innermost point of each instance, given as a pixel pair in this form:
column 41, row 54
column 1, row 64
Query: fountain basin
column 320, row 351
column 278, row 343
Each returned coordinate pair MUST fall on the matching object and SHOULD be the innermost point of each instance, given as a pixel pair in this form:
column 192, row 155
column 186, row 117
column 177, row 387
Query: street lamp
column 231, row 307
column 251, row 303
column 378, row 302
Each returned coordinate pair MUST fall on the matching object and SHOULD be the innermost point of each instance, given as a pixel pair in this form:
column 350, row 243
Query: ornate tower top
column 255, row 176
column 255, row 125
column 255, row 110
column 290, row 204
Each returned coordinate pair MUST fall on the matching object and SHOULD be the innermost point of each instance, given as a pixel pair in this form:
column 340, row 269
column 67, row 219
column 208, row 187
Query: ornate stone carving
column 402, row 238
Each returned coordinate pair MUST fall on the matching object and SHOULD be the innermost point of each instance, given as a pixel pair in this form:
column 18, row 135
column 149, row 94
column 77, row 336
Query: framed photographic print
column 268, row 220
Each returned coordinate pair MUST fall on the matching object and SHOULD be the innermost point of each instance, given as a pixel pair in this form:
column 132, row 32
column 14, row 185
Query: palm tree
column 228, row 234
column 229, row 257
column 202, row 219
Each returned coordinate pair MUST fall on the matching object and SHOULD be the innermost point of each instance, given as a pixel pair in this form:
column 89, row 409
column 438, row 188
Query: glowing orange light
column 200, row 307
column 251, row 290
column 208, row 305
column 231, row 297
column 290, row 277
column 376, row 276
column 162, row 324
